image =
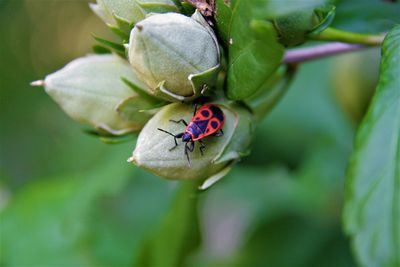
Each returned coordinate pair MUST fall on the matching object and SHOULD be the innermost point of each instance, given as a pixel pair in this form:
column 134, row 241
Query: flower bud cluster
column 171, row 60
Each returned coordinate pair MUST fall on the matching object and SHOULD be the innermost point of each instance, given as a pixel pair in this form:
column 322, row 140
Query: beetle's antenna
column 162, row 130
column 195, row 109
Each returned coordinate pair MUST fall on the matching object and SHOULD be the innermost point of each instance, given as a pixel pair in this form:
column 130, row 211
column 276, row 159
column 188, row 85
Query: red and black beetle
column 207, row 121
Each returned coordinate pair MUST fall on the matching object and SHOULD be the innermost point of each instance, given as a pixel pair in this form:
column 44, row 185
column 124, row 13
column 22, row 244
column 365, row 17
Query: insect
column 207, row 121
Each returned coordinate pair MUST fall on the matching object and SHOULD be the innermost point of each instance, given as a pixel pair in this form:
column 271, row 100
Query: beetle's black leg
column 191, row 147
column 172, row 148
column 187, row 154
column 180, row 121
column 195, row 109
column 175, row 136
column 202, row 147
column 218, row 134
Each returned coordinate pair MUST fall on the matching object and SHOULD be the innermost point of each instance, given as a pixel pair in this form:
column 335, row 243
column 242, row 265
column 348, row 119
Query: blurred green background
column 67, row 199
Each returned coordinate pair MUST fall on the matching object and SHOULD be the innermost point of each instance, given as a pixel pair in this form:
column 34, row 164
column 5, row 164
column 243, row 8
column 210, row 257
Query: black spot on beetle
column 214, row 124
column 217, row 112
column 205, row 113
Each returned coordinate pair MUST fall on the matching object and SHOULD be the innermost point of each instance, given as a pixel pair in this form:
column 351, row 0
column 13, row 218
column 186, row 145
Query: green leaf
column 98, row 49
column 223, row 16
column 118, row 48
column 372, row 208
column 132, row 109
column 89, row 89
column 178, row 235
column 138, row 89
column 109, row 138
column 270, row 9
column 121, row 33
column 372, row 16
column 254, row 52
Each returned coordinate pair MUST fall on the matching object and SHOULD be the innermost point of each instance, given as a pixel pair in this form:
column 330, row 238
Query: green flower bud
column 152, row 148
column 354, row 80
column 175, row 55
column 295, row 28
column 115, row 12
column 91, row 91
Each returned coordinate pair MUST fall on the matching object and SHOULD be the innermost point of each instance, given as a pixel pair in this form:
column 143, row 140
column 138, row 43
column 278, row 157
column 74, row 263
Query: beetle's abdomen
column 196, row 129
column 207, row 121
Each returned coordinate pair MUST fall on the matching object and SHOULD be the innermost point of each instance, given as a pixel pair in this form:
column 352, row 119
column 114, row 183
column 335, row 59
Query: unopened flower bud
column 114, row 12
column 175, row 55
column 153, row 152
column 91, row 91
column 295, row 28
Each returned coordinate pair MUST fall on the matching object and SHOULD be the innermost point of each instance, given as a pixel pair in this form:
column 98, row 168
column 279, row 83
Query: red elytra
column 206, row 121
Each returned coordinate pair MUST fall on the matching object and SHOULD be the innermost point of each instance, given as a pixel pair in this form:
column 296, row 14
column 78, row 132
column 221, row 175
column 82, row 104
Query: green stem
column 332, row 34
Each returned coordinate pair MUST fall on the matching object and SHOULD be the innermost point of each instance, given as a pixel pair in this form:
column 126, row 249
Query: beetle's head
column 186, row 137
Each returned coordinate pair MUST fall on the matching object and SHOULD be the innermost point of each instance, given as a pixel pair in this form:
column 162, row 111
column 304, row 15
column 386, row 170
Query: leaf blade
column 272, row 9
column 254, row 54
column 118, row 48
column 372, row 207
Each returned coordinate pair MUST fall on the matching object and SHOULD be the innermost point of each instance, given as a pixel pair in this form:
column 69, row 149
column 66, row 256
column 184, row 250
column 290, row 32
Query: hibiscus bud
column 175, row 55
column 91, row 90
column 117, row 12
column 153, row 152
column 294, row 29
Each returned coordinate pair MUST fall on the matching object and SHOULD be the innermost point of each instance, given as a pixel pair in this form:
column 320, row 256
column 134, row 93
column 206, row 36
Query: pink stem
column 319, row 51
